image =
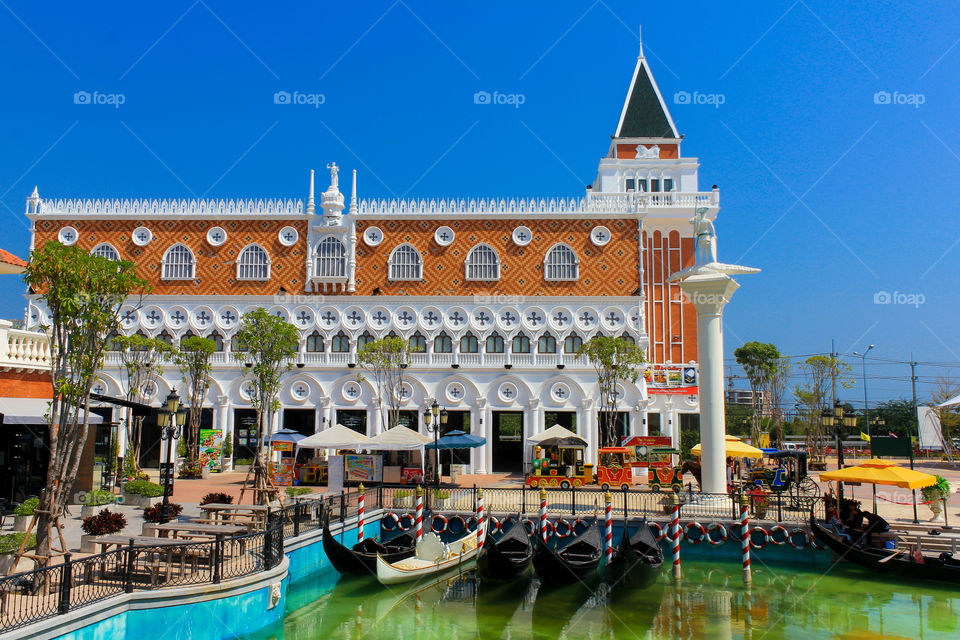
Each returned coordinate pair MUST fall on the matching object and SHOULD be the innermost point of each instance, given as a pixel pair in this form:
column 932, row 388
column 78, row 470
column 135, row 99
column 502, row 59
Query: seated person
column 875, row 524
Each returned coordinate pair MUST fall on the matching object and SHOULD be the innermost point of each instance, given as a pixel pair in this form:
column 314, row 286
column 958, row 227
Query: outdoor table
column 106, row 542
column 190, row 530
column 253, row 516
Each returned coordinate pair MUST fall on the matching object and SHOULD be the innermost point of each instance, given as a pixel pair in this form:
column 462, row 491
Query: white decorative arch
column 105, row 250
column 561, row 264
column 482, row 263
column 253, row 263
column 178, row 263
column 405, row 263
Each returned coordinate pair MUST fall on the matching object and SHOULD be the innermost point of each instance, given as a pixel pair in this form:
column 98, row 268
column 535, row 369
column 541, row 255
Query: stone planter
column 440, row 504
column 88, row 510
column 242, row 468
column 86, row 543
column 6, row 565
column 936, row 507
column 20, row 523
column 405, row 502
column 136, row 500
column 205, row 472
column 149, row 529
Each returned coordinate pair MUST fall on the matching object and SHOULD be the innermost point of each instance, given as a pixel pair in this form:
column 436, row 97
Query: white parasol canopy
column 950, row 402
column 556, row 431
column 336, row 437
column 397, row 439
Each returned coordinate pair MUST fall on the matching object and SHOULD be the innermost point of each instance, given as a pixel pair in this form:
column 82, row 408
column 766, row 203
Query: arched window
column 418, row 344
column 469, row 344
column 341, row 343
column 331, row 259
column 442, row 343
column 217, row 340
column 547, row 344
column 236, row 346
column 315, row 342
column 253, row 263
column 364, row 339
column 626, row 337
column 165, row 336
column 572, row 343
column 494, row 343
column 405, row 263
column 521, row 343
column 188, row 334
column 483, row 263
column 561, row 263
column 105, row 250
column 112, row 341
column 178, row 263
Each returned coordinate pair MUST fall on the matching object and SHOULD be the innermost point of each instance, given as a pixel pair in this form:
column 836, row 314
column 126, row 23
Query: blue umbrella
column 285, row 435
column 457, row 440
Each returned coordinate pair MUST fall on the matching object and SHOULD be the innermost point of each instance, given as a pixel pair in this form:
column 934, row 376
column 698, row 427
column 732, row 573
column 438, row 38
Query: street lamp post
column 863, row 371
column 170, row 419
column 838, row 418
column 435, row 420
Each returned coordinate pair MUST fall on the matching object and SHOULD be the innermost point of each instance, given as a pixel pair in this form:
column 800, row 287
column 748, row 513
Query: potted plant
column 242, row 464
column 23, row 512
column 93, row 500
column 935, row 495
column 226, row 454
column 403, row 499
column 216, row 497
column 9, row 545
column 440, row 499
column 104, row 523
column 138, row 493
column 760, row 501
column 153, row 513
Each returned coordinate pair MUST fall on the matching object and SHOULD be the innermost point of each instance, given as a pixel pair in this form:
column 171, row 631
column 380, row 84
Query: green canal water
column 711, row 602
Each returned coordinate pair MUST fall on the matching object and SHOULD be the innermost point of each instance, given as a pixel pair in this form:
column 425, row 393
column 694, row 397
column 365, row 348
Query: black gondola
column 637, row 560
column 578, row 559
column 362, row 558
column 507, row 557
column 942, row 568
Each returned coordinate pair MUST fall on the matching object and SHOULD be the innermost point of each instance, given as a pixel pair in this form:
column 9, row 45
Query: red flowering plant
column 104, row 523
column 152, row 514
column 759, row 499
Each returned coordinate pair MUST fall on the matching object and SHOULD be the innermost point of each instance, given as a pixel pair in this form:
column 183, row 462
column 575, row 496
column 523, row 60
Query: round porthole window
column 372, row 236
column 142, row 236
column 67, row 236
column 289, row 236
column 444, row 236
column 600, row 235
column 216, row 236
column 522, row 236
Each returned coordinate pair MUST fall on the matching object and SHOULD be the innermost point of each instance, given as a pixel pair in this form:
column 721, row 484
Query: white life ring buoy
column 413, row 521
column 472, row 523
column 529, row 525
column 659, row 530
column 581, row 523
column 716, row 526
column 779, row 529
column 807, row 538
column 493, row 525
column 549, row 528
column 389, row 518
column 462, row 528
column 568, row 529
column 766, row 537
column 443, row 520
column 694, row 525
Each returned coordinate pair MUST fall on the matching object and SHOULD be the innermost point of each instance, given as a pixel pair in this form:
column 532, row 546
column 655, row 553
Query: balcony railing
column 23, row 349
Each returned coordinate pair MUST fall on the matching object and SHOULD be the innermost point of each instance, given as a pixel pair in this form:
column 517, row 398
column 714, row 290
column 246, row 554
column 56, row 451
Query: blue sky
column 835, row 191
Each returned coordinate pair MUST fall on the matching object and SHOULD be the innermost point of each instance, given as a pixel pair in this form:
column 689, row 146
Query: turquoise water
column 711, row 602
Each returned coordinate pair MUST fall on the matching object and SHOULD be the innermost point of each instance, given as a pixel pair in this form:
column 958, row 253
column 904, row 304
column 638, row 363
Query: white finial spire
column 353, row 194
column 640, row 39
column 34, row 194
column 311, row 207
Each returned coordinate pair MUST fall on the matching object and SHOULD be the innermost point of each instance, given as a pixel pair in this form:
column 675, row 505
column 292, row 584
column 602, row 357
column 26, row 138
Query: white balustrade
column 23, row 349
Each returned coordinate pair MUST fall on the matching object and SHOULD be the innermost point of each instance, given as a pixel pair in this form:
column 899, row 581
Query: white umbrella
column 950, row 402
column 336, row 437
column 561, row 434
column 397, row 439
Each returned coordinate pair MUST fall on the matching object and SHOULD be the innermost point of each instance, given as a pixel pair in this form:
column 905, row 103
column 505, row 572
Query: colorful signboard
column 645, row 450
column 211, row 446
column 363, row 468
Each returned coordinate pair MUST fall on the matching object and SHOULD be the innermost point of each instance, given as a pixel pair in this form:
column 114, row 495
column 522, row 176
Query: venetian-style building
column 495, row 294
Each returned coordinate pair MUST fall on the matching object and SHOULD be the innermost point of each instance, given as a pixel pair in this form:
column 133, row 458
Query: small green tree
column 759, row 362
column 813, row 396
column 193, row 359
column 142, row 361
column 386, row 359
column 777, row 393
column 270, row 345
column 614, row 359
column 83, row 294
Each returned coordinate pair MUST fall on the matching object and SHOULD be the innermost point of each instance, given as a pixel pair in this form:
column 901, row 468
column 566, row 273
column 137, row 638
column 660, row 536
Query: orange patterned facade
column 216, row 266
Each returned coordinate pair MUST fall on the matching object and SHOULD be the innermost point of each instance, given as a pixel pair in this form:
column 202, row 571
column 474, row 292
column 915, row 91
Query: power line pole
column 913, row 384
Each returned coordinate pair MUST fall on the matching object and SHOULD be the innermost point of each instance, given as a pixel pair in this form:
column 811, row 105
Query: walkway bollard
column 360, row 501
column 608, row 535
column 481, row 525
column 675, row 534
column 543, row 514
column 946, row 521
column 745, row 538
column 419, row 522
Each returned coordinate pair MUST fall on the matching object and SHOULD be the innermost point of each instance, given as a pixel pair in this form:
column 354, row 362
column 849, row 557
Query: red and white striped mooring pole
column 481, row 525
column 543, row 514
column 745, row 538
column 608, row 535
column 419, row 522
column 675, row 536
column 360, row 514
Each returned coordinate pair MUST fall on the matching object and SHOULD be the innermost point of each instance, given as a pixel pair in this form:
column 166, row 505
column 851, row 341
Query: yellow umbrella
column 735, row 448
column 881, row 472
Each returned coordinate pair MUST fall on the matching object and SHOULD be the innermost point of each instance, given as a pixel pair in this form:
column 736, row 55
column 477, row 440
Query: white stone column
column 668, row 423
column 589, row 428
column 531, row 426
column 480, row 425
column 641, row 428
column 709, row 293
column 375, row 428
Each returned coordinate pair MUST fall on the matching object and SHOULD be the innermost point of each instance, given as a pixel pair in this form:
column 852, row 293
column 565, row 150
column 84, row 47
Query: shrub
column 10, row 542
column 143, row 488
column 403, row 493
column 293, row 492
column 440, row 494
column 152, row 514
column 242, row 461
column 97, row 498
column 936, row 491
column 26, row 507
column 190, row 471
column 217, row 497
column 759, row 497
column 104, row 523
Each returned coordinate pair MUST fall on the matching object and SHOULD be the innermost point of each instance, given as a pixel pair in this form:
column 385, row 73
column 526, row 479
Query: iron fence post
column 218, row 559
column 573, row 500
column 523, row 498
column 343, row 506
column 129, row 577
column 625, row 514
column 66, row 580
column 268, row 542
column 779, row 506
column 296, row 519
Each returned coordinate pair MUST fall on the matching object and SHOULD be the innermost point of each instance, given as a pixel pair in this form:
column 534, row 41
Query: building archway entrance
column 507, row 441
